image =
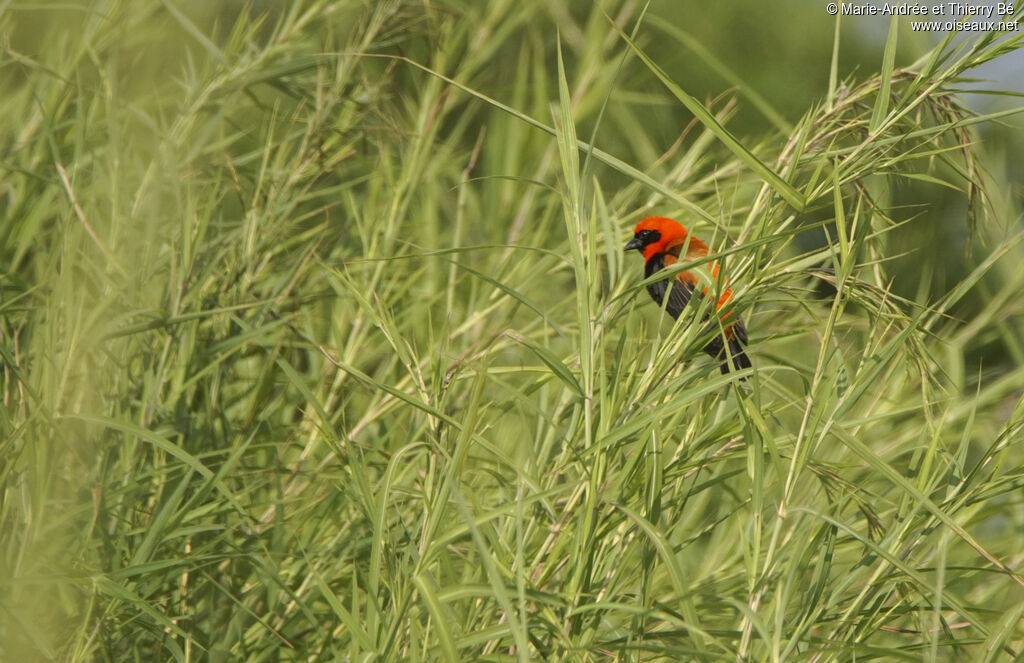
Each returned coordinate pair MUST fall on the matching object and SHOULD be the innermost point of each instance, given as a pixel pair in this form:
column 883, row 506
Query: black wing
column 739, row 330
column 680, row 293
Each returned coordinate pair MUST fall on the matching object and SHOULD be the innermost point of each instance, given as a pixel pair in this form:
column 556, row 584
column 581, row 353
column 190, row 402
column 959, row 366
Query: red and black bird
column 662, row 240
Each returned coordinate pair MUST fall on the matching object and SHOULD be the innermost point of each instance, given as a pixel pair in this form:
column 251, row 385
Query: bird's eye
column 648, row 236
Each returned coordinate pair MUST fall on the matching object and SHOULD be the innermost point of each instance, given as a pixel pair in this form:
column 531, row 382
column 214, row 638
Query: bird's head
column 656, row 234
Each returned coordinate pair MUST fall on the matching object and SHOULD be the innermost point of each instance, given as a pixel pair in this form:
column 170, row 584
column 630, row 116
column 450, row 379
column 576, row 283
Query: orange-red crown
column 663, row 224
column 670, row 233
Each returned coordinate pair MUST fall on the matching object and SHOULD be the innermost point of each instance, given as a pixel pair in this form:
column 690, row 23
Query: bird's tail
column 735, row 357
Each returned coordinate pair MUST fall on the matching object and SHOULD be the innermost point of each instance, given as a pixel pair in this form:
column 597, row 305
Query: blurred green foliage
column 312, row 354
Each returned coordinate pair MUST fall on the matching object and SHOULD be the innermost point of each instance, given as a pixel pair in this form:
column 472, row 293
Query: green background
column 318, row 342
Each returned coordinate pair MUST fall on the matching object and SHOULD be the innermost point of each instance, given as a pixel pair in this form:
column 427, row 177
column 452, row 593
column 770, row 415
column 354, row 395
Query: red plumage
column 664, row 242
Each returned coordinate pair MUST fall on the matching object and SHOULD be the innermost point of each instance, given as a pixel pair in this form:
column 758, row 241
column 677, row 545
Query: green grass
column 318, row 343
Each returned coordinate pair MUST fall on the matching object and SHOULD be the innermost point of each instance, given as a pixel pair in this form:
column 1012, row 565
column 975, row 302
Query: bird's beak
column 634, row 243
